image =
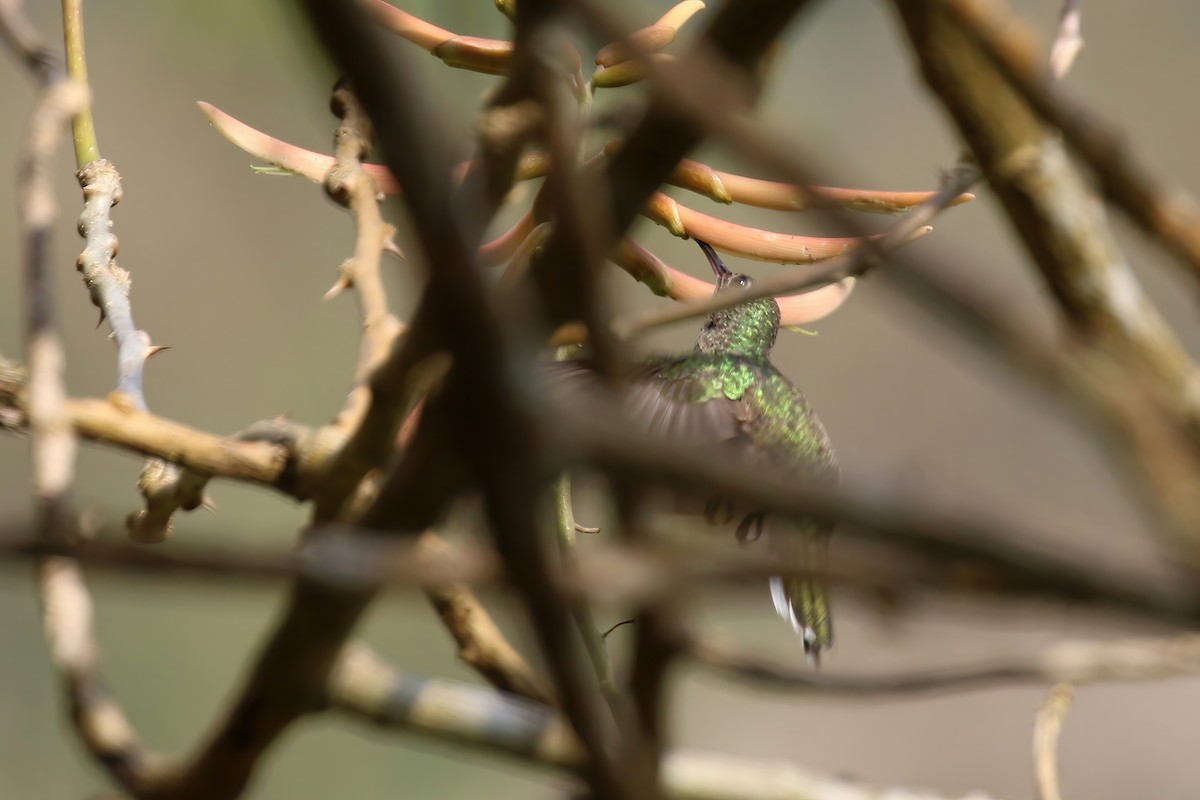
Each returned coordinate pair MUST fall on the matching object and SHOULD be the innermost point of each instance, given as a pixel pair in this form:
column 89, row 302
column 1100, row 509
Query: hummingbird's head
column 748, row 329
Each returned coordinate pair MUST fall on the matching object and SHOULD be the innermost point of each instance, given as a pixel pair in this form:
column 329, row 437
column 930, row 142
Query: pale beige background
column 229, row 268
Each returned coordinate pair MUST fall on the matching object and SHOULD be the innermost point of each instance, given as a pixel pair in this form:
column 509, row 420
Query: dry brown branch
column 351, row 186
column 476, row 414
column 261, row 462
column 481, row 644
column 168, row 487
column 1168, row 216
column 1046, row 729
column 1066, row 234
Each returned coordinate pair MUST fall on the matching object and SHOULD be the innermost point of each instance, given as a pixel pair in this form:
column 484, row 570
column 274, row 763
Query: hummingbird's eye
column 743, row 281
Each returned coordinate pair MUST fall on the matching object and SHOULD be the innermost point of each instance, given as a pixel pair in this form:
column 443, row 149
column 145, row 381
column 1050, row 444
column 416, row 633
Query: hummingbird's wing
column 657, row 400
column 752, row 408
column 747, row 405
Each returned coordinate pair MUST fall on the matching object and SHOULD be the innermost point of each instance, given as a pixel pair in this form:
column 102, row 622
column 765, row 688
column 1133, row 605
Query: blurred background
column 229, row 267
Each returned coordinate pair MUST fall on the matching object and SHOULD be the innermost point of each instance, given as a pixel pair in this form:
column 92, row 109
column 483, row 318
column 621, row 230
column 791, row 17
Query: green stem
column 82, row 127
column 593, row 641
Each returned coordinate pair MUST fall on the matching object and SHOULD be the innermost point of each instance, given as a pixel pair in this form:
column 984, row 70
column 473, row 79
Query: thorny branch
column 66, row 604
column 492, row 434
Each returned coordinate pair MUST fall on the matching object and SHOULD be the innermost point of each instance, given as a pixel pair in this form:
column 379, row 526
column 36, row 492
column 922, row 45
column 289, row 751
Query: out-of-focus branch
column 1065, row 232
column 290, row 676
column 83, row 129
column 924, row 556
column 477, row 414
column 26, row 43
column 589, row 632
column 365, row 687
column 481, row 644
column 1075, row 663
column 1046, row 729
column 691, row 775
column 590, row 434
column 1168, row 216
column 720, row 66
column 99, row 721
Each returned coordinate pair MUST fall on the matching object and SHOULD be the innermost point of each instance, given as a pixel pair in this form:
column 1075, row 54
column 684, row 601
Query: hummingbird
column 727, row 392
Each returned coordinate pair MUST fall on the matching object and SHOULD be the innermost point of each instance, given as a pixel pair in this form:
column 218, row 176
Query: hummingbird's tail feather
column 805, row 605
column 804, row 602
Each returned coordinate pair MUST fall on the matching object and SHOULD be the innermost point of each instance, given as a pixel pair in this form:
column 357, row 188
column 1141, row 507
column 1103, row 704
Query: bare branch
column 99, row 721
column 350, row 185
column 363, row 685
column 1066, row 234
column 1167, row 215
column 481, row 644
column 1074, row 663
column 492, row 434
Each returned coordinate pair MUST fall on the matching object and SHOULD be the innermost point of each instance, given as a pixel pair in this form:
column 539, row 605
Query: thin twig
column 593, row 641
column 83, row 128
column 1076, row 663
column 108, row 284
column 350, row 185
column 1046, row 729
column 481, row 643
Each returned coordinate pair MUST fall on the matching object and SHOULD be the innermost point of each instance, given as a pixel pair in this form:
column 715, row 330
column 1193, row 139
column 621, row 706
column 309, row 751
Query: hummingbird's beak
column 718, row 266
